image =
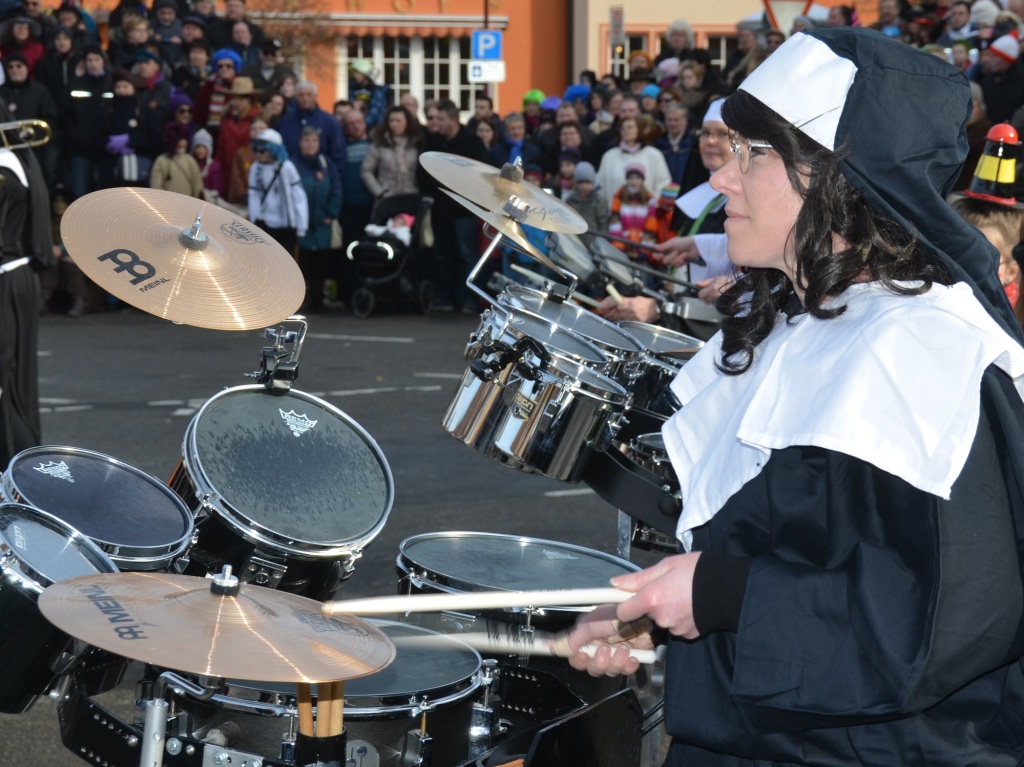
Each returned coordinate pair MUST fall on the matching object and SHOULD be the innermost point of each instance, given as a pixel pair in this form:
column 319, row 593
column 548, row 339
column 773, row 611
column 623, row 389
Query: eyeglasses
column 743, row 150
column 666, row 100
column 183, row 110
column 716, row 135
column 260, row 147
column 225, row 65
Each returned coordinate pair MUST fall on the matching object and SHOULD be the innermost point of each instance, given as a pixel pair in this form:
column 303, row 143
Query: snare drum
column 287, row 489
column 624, row 352
column 648, row 452
column 460, row 562
column 665, row 353
column 132, row 516
column 536, row 409
column 36, row 550
column 441, row 679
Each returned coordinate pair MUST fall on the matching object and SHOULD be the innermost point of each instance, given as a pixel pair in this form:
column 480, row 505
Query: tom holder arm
column 279, row 363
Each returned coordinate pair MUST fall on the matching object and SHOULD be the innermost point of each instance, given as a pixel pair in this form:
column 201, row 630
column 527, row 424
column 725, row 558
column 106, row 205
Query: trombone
column 29, row 134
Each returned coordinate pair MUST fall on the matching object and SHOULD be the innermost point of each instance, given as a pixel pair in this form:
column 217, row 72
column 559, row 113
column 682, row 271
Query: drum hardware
column 545, row 285
column 199, row 626
column 279, row 364
column 634, row 490
column 496, row 356
column 485, row 724
column 220, row 272
column 570, row 253
column 511, row 230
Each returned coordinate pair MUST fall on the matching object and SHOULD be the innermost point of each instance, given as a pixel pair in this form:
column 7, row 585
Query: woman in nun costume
column 850, row 448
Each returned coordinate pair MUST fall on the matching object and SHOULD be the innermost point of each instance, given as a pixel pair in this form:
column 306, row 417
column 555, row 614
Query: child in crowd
column 662, row 209
column 587, row 199
column 564, row 180
column 631, row 208
column 213, row 175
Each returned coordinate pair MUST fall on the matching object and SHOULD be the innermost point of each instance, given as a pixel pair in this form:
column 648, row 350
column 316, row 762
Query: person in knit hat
column 214, row 95
column 214, row 182
column 587, row 199
column 1002, row 77
column 175, row 170
column 849, row 448
column 277, row 199
column 631, row 212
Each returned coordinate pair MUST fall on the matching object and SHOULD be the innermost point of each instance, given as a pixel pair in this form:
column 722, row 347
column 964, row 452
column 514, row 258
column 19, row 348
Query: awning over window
column 392, row 25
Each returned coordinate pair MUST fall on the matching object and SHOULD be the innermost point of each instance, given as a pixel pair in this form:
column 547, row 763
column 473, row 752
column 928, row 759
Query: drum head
column 464, row 561
column 125, row 510
column 290, row 464
column 663, row 342
column 600, row 331
column 436, row 671
column 47, row 549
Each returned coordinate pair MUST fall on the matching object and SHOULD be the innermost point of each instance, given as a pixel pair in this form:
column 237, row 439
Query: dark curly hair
column 877, row 249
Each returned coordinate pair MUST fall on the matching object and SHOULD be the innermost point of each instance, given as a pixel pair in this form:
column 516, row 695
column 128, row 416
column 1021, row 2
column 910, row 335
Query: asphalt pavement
column 127, row 385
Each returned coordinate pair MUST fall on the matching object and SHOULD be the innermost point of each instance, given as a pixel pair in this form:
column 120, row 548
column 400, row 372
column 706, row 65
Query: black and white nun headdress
column 899, row 116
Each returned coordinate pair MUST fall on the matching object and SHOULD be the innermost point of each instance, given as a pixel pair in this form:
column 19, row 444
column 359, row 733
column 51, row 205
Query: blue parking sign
column 486, row 44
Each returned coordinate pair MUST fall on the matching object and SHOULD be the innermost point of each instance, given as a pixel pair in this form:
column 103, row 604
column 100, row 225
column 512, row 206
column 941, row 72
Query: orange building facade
column 423, row 46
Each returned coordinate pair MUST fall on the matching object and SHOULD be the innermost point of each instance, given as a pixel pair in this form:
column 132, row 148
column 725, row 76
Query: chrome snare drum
column 622, row 349
column 435, row 684
column 527, row 403
column 665, row 353
column 132, row 516
column 36, row 550
column 287, row 489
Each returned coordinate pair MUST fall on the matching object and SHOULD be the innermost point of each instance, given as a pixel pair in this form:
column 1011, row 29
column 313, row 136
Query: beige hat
column 242, row 86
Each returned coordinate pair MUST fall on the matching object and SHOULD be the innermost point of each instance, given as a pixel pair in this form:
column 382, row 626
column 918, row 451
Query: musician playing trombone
column 850, row 448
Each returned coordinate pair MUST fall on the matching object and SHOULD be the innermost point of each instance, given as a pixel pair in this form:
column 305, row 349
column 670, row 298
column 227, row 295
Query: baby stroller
column 389, row 270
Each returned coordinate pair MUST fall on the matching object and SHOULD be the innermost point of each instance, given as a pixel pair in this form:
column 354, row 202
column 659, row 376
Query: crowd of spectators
column 182, row 99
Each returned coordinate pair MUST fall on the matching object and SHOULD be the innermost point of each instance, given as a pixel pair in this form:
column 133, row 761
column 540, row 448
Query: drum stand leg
column 153, row 733
column 624, row 535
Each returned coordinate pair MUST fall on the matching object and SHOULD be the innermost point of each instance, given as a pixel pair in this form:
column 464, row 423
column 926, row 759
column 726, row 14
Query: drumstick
column 324, row 704
column 614, row 293
column 533, row 276
column 479, row 600
column 539, row 643
column 337, row 707
column 305, row 702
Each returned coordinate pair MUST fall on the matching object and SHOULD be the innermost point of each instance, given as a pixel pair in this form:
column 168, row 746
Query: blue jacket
column 322, row 183
column 678, row 158
column 332, row 140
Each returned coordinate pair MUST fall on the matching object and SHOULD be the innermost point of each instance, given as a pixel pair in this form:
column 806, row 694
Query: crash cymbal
column 489, row 187
column 141, row 246
column 507, row 228
column 176, row 622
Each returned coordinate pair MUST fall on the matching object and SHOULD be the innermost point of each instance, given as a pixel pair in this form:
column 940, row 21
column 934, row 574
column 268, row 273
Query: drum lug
column 484, row 721
column 419, row 749
column 263, row 571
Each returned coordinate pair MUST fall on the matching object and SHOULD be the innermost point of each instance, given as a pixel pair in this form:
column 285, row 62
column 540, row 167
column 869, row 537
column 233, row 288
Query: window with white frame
column 431, row 68
column 620, row 55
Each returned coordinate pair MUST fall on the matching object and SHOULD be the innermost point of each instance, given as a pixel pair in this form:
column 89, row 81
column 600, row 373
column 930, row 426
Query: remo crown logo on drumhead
column 56, row 470
column 299, row 424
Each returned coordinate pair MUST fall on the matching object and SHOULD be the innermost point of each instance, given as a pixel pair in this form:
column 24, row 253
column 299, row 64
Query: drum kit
column 218, row 588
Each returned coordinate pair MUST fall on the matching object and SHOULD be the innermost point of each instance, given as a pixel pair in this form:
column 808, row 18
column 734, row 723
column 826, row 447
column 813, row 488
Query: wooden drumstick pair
column 330, row 709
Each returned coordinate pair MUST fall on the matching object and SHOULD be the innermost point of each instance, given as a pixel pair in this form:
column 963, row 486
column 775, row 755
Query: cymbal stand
column 279, row 363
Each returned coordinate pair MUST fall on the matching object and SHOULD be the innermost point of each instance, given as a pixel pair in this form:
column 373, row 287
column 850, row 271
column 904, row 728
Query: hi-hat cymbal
column 135, row 244
column 176, row 622
column 486, row 186
column 507, row 228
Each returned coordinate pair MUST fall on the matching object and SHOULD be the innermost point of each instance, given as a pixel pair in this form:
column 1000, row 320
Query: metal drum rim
column 620, row 352
column 601, row 357
column 155, row 557
column 628, row 325
column 251, row 530
column 455, row 585
column 30, row 575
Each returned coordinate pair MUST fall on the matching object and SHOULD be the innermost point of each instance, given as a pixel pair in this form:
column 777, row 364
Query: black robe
column 881, row 625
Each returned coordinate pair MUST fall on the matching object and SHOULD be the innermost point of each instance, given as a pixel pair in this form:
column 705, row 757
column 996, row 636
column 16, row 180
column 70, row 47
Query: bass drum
column 36, row 550
column 287, row 489
column 460, row 562
column 132, row 516
column 436, row 683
